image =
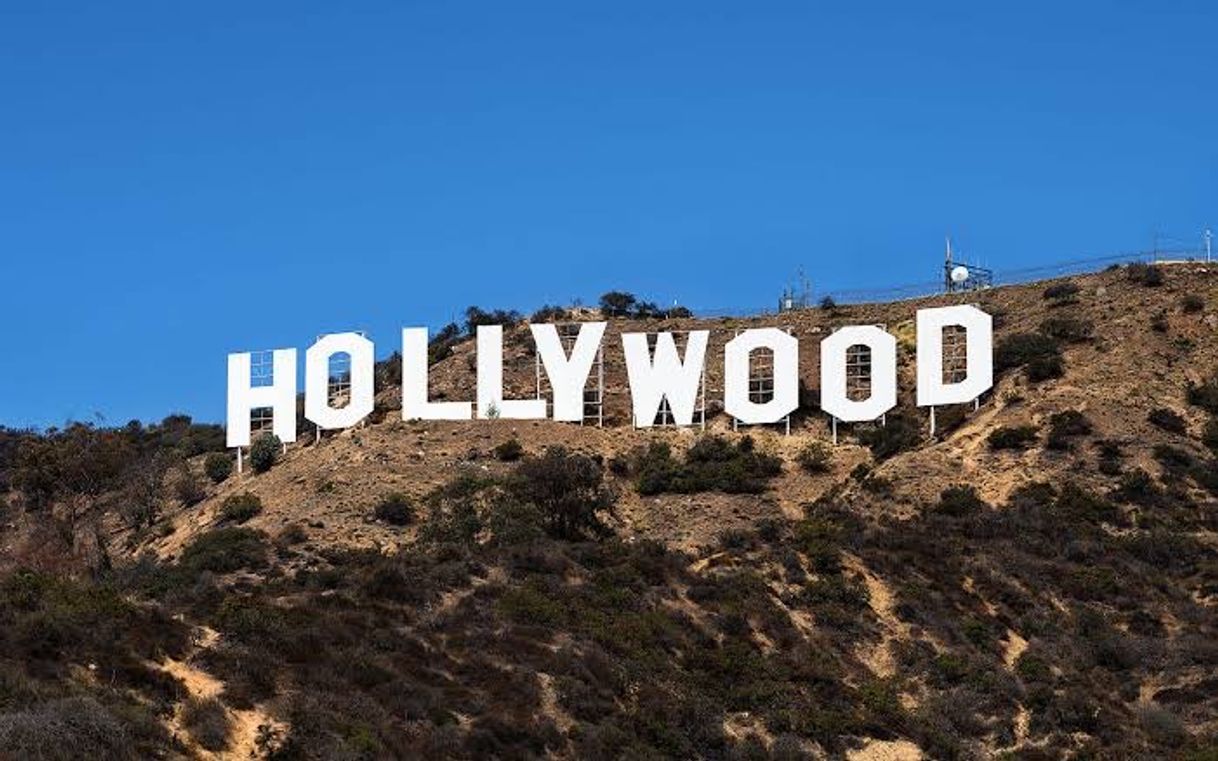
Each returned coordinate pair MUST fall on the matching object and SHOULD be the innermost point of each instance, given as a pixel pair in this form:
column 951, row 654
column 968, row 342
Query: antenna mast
column 947, row 265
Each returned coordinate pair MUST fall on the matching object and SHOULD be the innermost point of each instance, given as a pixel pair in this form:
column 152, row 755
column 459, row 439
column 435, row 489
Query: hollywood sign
column 654, row 376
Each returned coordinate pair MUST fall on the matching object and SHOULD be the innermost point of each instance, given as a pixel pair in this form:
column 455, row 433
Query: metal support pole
column 600, row 379
column 240, row 462
column 703, row 395
column 932, row 421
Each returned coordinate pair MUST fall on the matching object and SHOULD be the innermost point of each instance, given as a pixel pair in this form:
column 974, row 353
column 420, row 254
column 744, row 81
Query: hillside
column 1037, row 580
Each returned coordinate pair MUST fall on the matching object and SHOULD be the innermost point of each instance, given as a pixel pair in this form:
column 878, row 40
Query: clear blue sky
column 178, row 181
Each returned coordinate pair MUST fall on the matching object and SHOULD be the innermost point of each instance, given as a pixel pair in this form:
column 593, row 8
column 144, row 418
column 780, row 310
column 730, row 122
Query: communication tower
column 962, row 276
column 797, row 295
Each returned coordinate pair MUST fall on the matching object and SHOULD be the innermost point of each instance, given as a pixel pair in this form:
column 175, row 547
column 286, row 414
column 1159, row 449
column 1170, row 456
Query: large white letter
column 415, row 405
column 490, row 381
column 317, row 380
column 280, row 396
column 665, row 375
column 736, row 375
column 568, row 377
column 979, row 363
column 833, row 398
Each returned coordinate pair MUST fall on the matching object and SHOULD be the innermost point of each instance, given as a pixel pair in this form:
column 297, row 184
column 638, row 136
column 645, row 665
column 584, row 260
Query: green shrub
column 207, row 722
column 1173, row 459
column 264, row 452
column 1192, row 303
column 223, row 550
column 815, row 457
column 1067, row 329
column 1066, row 425
column 1138, row 487
column 736, row 538
column 1012, row 437
column 396, row 510
column 960, row 501
column 509, row 451
column 1168, row 420
column 1209, row 434
column 900, row 432
column 218, row 466
column 820, row 539
column 531, row 605
column 713, row 463
column 835, row 599
column 1162, row 726
column 1039, row 354
column 291, row 535
column 455, row 510
column 1204, row 395
column 239, row 508
column 1060, row 292
column 1149, row 275
column 1045, row 368
column 1110, row 455
column 63, row 729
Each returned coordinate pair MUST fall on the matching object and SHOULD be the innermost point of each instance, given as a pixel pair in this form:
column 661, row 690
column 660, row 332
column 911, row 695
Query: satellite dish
column 959, row 274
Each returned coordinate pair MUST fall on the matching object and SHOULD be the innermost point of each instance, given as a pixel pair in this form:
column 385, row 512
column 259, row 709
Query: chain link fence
column 1000, row 277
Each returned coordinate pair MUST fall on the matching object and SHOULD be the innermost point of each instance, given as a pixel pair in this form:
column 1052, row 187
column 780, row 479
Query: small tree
column 218, row 467
column 550, row 313
column 492, row 414
column 648, row 310
column 567, row 490
column 145, row 491
column 264, row 452
column 618, row 304
column 187, row 486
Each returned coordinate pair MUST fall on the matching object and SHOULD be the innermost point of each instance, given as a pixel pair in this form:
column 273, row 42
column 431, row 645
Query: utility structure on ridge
column 962, row 276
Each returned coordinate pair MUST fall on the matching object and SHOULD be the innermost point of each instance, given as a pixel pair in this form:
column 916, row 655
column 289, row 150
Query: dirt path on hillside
column 245, row 725
column 880, row 658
